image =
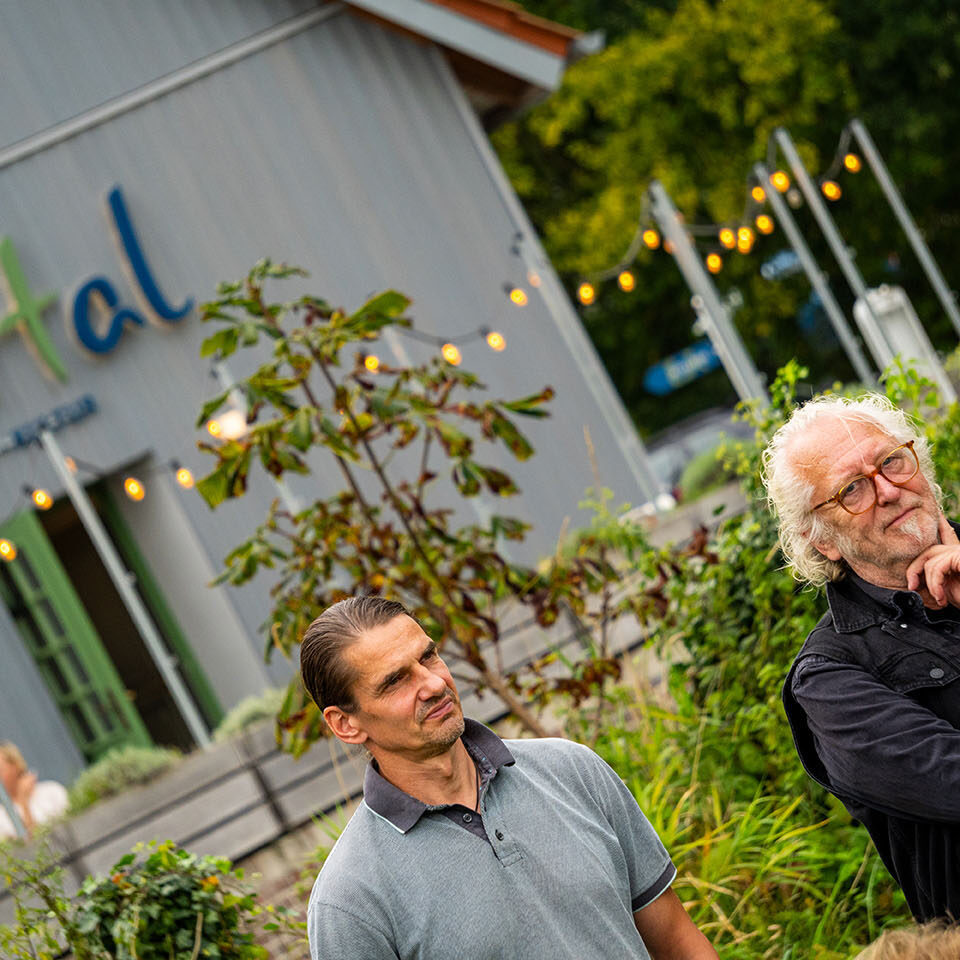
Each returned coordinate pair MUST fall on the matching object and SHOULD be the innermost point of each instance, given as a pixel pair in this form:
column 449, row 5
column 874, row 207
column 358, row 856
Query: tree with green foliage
column 405, row 441
column 688, row 93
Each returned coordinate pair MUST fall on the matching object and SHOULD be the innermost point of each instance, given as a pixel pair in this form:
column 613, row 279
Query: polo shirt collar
column 404, row 811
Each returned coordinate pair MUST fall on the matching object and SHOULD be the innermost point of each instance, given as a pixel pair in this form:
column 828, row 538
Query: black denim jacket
column 873, row 701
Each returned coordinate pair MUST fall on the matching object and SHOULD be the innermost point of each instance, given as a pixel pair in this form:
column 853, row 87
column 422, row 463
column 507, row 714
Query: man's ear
column 827, row 547
column 343, row 725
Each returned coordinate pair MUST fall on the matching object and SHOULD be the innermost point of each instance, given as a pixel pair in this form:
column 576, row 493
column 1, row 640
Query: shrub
column 118, row 770
column 250, row 710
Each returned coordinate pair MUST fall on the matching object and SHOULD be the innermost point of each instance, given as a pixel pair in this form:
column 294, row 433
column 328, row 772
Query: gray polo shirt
column 554, row 865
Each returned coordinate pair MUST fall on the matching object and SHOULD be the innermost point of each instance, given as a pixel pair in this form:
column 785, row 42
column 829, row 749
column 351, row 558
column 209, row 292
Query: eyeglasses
column 859, row 495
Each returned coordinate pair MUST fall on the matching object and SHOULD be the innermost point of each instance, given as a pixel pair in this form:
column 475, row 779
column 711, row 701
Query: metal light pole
column 816, row 277
column 723, row 335
column 868, row 321
column 123, row 581
column 890, row 191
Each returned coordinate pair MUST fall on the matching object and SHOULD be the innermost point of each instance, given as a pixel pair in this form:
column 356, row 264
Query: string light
column 764, row 223
column 372, row 362
column 626, row 280
column 533, row 278
column 831, row 189
column 183, row 476
column 714, row 262
column 668, row 246
column 214, row 428
column 518, row 296
column 233, row 424
column 8, row 551
column 71, row 464
column 41, row 499
column 780, row 181
column 586, row 293
column 852, row 162
column 133, row 488
column 759, row 194
column 651, row 238
column 451, row 354
column 495, row 341
column 728, row 238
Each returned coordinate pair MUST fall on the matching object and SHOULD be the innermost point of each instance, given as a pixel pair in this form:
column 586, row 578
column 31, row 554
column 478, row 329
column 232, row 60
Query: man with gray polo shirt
column 465, row 845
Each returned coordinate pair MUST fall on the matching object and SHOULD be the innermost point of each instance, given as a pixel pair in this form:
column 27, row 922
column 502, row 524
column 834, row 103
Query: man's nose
column 887, row 492
column 431, row 685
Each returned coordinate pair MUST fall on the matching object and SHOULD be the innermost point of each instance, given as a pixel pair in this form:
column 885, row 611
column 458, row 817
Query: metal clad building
column 345, row 137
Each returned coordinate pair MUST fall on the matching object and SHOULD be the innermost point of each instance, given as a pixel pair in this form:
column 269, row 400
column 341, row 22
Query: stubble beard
column 451, row 730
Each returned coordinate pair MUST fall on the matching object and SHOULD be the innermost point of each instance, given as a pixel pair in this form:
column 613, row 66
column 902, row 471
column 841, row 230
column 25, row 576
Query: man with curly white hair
column 873, row 697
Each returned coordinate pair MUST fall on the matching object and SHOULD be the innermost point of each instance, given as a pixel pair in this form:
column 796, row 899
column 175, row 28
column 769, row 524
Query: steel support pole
column 723, row 335
column 816, row 277
column 920, row 248
column 870, row 324
column 123, row 581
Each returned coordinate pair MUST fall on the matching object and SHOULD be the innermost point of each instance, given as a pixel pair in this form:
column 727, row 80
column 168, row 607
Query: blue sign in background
column 681, row 368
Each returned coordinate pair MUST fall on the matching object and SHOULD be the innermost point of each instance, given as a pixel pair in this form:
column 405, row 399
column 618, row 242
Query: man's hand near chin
column 935, row 574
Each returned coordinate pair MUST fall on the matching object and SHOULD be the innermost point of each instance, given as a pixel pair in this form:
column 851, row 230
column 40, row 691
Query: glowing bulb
column 586, row 293
column 831, row 189
column 41, row 499
column 780, row 180
column 71, row 464
column 668, row 246
column 745, row 235
column 184, row 478
column 533, row 278
column 518, row 297
column 651, row 238
column 133, row 488
column 214, row 428
column 233, row 424
column 372, row 362
column 764, row 223
column 852, row 162
column 8, row 551
column 495, row 341
column 728, row 238
column 451, row 354
column 626, row 280
column 714, row 262
column 759, row 194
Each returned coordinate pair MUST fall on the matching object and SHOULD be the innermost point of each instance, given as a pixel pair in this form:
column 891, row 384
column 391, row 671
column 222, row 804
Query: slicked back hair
column 325, row 673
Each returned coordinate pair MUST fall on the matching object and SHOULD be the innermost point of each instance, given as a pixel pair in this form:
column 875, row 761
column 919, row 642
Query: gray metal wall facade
column 344, row 149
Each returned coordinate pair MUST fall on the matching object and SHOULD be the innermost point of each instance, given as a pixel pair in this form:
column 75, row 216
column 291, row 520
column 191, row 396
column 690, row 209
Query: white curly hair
column 790, row 497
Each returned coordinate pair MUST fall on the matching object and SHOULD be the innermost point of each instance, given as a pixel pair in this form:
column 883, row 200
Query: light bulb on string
column 133, row 488
column 586, row 293
column 496, row 341
column 831, row 189
column 780, row 181
column 626, row 281
column 71, row 464
column 518, row 296
column 182, row 475
column 233, row 424
column 852, row 162
column 451, row 354
column 41, row 499
column 728, row 238
column 214, row 428
column 759, row 194
column 764, row 223
column 714, row 262
column 371, row 362
column 533, row 278
column 8, row 551
column 651, row 238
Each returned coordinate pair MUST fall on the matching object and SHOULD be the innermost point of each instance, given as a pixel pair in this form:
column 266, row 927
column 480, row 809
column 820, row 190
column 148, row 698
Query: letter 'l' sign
column 138, row 263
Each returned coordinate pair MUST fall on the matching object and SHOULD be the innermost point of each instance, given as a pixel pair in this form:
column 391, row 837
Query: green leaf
column 215, row 486
column 223, row 343
column 211, row 407
column 530, row 406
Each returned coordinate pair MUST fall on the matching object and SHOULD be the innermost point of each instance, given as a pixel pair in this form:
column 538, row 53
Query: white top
column 47, row 802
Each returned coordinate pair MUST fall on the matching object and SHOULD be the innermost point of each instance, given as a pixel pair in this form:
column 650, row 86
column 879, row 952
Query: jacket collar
column 488, row 751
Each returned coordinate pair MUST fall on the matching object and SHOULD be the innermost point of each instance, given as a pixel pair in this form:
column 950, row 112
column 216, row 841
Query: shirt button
column 467, row 818
column 499, row 834
column 903, row 626
column 936, row 673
